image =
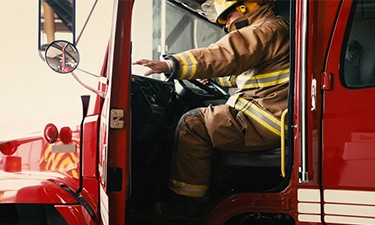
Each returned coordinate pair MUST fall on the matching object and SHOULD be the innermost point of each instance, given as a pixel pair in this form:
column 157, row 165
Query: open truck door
column 114, row 131
column 105, row 137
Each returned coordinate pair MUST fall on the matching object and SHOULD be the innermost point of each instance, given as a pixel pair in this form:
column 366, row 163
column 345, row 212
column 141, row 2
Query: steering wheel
column 212, row 88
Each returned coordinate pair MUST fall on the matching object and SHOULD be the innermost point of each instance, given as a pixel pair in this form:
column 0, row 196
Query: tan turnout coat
column 254, row 56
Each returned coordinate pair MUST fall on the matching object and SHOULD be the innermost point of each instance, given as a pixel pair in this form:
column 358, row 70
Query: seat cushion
column 268, row 158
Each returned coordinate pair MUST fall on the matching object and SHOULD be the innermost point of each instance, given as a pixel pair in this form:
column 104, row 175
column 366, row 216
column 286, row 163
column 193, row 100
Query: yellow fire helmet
column 216, row 10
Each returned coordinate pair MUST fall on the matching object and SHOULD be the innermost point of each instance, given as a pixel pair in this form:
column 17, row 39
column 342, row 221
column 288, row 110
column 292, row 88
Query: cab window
column 359, row 54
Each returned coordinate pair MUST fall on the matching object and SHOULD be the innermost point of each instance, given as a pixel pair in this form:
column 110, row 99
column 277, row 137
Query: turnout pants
column 202, row 131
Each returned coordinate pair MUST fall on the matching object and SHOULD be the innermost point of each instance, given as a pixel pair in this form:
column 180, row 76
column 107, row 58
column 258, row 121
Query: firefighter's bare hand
column 203, row 81
column 154, row 65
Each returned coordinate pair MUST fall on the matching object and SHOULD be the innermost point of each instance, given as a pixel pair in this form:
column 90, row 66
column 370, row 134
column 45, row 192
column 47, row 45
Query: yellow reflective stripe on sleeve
column 221, row 81
column 188, row 65
column 265, row 118
column 224, row 81
column 191, row 190
column 263, row 80
column 285, row 24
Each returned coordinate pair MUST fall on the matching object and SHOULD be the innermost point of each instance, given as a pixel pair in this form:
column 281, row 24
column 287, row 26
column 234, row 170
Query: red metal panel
column 348, row 139
column 348, row 124
column 119, row 139
column 90, row 146
column 34, row 191
column 75, row 214
column 276, row 203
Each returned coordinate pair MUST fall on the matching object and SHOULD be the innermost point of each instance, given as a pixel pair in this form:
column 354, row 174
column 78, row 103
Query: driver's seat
column 268, row 158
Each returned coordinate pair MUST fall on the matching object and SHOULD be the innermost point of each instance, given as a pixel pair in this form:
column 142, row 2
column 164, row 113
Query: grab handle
column 283, row 118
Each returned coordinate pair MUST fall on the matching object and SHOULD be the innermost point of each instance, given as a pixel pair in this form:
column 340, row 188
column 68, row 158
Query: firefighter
column 254, row 57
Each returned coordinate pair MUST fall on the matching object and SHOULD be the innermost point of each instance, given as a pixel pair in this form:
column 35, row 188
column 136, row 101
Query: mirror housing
column 62, row 56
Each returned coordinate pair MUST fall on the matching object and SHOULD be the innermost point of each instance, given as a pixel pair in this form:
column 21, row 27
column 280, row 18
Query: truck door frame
column 114, row 158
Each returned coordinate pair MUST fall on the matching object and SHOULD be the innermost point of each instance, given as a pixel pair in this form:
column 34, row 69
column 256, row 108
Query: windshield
column 168, row 28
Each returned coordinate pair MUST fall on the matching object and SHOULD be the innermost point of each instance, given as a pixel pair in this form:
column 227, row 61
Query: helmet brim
column 221, row 18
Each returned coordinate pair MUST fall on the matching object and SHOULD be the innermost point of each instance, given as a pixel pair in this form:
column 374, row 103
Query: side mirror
column 62, row 56
column 56, row 21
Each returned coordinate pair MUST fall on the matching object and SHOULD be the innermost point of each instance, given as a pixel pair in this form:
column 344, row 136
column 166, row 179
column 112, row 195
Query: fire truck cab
column 120, row 152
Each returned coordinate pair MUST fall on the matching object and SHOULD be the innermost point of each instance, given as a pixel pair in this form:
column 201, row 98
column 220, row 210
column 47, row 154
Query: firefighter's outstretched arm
column 155, row 66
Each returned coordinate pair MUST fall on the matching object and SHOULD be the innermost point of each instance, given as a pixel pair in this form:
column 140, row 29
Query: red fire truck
column 114, row 165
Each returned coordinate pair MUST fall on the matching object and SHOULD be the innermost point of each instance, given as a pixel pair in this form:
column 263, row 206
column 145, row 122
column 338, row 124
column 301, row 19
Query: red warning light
column 50, row 133
column 12, row 164
column 8, row 148
column 65, row 135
